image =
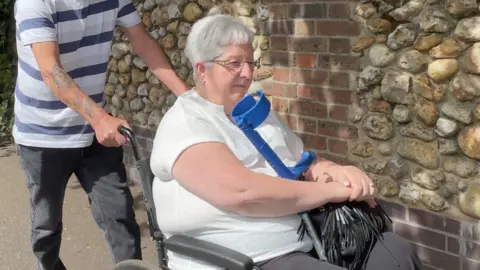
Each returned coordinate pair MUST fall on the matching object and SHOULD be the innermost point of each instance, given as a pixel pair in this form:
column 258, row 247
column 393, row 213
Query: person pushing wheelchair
column 61, row 127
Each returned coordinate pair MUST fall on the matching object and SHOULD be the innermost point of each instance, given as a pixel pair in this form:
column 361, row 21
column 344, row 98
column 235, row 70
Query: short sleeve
column 176, row 133
column 127, row 15
column 293, row 141
column 34, row 22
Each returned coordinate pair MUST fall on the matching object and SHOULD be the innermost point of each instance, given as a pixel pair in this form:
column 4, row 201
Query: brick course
column 312, row 65
column 441, row 242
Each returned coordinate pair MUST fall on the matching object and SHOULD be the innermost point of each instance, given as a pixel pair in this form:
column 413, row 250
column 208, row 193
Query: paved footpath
column 83, row 245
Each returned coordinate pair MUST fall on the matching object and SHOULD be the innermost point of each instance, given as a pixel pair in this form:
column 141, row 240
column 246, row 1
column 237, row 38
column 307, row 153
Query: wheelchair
column 214, row 254
column 364, row 223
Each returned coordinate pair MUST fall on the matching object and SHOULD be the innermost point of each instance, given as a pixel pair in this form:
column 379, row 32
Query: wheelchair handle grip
column 133, row 140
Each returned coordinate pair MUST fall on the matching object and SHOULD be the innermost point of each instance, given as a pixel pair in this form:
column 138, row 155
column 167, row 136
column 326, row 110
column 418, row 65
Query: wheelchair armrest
column 209, row 252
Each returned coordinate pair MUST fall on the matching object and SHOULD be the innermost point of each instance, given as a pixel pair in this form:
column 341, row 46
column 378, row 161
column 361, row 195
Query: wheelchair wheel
column 134, row 265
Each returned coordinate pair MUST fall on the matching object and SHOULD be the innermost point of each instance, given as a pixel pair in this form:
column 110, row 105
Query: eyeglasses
column 234, row 65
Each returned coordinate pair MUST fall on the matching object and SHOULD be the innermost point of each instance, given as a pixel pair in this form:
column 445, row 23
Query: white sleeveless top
column 193, row 120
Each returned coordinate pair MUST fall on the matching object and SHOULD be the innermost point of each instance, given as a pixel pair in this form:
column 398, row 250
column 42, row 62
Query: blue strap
column 248, row 114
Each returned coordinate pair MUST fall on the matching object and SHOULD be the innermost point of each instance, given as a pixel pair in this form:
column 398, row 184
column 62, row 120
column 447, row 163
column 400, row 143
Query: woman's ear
column 200, row 68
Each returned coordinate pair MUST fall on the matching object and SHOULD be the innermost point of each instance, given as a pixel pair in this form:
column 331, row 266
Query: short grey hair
column 210, row 34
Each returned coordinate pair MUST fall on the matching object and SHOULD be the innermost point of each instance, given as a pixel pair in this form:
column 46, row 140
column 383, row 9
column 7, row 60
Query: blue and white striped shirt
column 84, row 31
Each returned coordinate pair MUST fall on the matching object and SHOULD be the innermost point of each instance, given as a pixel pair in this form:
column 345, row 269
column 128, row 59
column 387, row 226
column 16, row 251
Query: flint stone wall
column 419, row 117
column 132, row 91
column 418, row 88
column 408, row 83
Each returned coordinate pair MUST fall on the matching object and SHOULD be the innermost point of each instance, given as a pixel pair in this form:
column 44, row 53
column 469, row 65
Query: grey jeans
column 101, row 173
column 399, row 256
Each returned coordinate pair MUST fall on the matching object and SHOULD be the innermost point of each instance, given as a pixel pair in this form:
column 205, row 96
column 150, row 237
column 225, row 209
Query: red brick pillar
column 312, row 71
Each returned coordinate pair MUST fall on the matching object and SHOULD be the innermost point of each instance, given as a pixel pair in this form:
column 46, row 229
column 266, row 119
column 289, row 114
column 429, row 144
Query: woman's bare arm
column 212, row 172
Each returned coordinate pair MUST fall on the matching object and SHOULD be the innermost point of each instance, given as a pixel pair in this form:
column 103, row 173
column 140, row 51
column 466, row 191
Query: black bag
column 348, row 232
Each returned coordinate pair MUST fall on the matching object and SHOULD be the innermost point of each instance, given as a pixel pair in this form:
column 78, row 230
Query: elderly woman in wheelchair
column 212, row 184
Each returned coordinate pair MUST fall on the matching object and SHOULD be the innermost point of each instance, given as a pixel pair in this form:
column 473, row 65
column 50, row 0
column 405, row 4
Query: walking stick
column 348, row 230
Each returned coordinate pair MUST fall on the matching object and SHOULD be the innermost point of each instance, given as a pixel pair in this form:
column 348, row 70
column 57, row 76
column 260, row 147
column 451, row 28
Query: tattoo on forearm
column 75, row 102
column 61, row 78
column 79, row 100
column 89, row 108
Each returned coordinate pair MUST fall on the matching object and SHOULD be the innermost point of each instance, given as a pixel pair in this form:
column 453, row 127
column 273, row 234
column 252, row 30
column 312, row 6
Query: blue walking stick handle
column 249, row 114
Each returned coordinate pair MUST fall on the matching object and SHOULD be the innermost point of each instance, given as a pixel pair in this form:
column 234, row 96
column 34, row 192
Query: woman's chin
column 240, row 89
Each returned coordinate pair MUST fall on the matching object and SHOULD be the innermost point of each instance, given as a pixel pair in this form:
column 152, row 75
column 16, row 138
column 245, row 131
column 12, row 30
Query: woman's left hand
column 350, row 176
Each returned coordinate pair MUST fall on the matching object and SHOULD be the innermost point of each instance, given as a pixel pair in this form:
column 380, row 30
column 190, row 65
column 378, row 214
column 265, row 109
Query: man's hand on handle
column 106, row 130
